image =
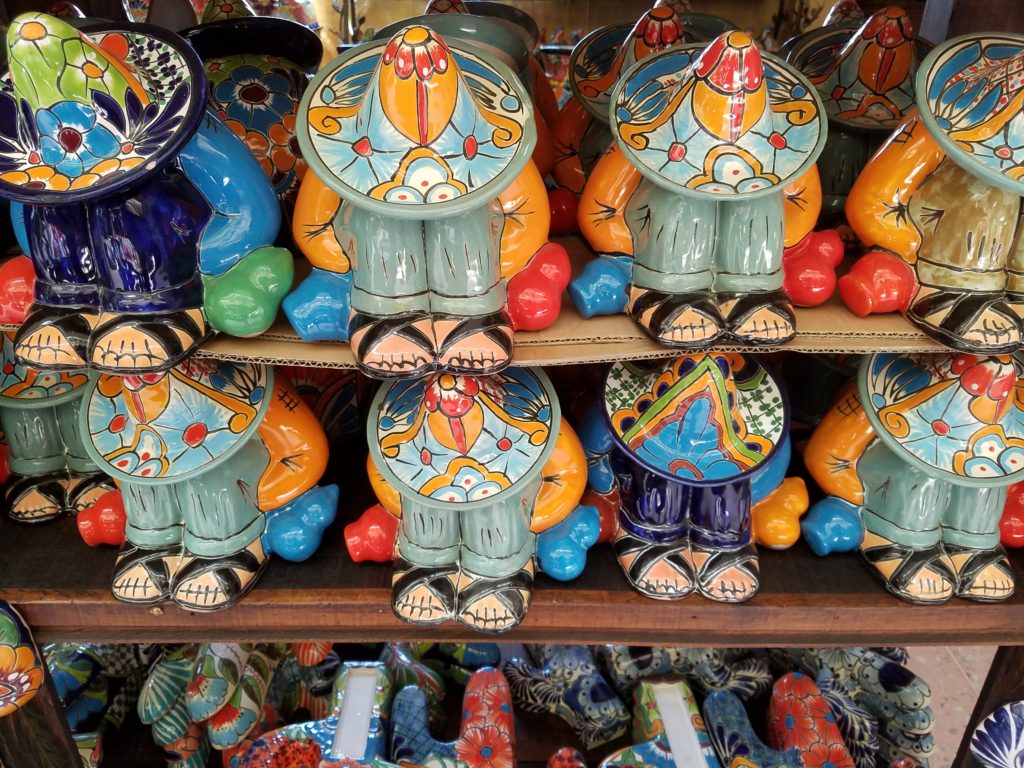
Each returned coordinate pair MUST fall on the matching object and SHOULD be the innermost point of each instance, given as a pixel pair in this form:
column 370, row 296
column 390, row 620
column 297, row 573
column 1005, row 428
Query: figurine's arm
column 313, row 227
column 836, row 446
column 568, row 132
column 526, row 218
column 602, row 211
column 802, row 206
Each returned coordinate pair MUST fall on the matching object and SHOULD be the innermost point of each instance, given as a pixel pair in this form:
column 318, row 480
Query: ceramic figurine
column 165, row 219
column 734, row 738
column 406, row 669
column 684, row 439
column 938, row 206
column 864, row 73
column 998, row 742
column 799, row 718
column 423, row 216
column 218, row 465
column 567, row 757
column 162, row 705
column 21, row 670
column 51, row 472
column 843, row 11
column 581, row 131
column 857, row 725
column 920, row 457
column 687, row 211
column 362, row 689
column 486, row 736
column 257, row 68
column 564, row 680
column 1011, row 524
column 458, row 661
column 474, row 466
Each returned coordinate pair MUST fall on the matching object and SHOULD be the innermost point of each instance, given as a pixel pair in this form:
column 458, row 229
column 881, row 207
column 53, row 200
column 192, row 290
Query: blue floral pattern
column 71, row 139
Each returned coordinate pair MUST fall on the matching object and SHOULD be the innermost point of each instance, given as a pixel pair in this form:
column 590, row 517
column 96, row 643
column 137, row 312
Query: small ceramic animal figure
column 51, row 472
column 564, row 680
column 685, row 438
column 474, row 466
column 998, row 742
column 800, row 718
column 486, row 736
column 938, row 207
column 147, row 221
column 734, row 738
column 208, row 456
column 21, row 669
column 690, row 212
column 421, row 206
column 920, row 455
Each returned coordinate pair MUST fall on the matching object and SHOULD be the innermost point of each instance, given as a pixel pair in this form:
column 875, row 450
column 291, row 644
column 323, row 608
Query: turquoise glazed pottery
column 209, row 457
column 687, row 436
column 688, row 213
column 165, row 219
column 51, row 472
column 998, row 742
column 923, row 454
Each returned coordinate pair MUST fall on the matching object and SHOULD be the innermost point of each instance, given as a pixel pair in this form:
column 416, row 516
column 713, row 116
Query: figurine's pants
column 684, row 243
column 448, row 265
column 131, row 252
column 492, row 541
column 47, row 439
column 906, row 506
column 212, row 514
column 666, row 511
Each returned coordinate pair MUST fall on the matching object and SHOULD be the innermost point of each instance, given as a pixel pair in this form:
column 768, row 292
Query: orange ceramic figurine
column 938, row 207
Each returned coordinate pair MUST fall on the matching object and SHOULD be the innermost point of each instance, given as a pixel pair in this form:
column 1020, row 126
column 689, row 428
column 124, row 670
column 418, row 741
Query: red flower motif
column 485, row 747
column 659, row 28
column 451, row 395
column 791, row 724
column 821, row 755
column 416, row 51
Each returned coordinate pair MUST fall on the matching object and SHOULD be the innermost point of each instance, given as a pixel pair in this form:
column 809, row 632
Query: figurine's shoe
column 212, row 583
column 661, row 571
column 495, row 604
column 424, row 594
column 686, row 320
column 143, row 576
column 473, row 345
column 968, row 321
column 139, row 343
column 392, row 346
column 36, row 499
column 82, row 491
column 728, row 576
column 984, row 575
column 54, row 338
column 759, row 319
column 916, row 575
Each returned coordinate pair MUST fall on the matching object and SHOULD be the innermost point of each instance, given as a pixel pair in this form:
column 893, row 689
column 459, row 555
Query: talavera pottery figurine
column 354, row 735
column 51, row 472
column 464, row 461
column 684, row 438
column 165, row 220
column 864, row 72
column 257, row 68
column 581, row 131
column 203, row 455
column 564, row 680
column 487, row 734
column 405, row 668
column 691, row 211
column 734, row 738
column 938, row 206
column 921, row 456
column 998, row 742
column 423, row 216
column 21, row 670
column 800, row 718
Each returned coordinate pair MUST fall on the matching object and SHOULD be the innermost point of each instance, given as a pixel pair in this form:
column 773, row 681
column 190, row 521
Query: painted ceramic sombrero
column 844, row 11
column 956, row 416
column 723, row 121
column 86, row 113
column 516, row 19
column 601, row 57
column 864, row 72
column 970, row 94
column 416, row 127
column 22, row 387
column 159, row 428
column 231, row 27
column 701, row 419
column 464, row 440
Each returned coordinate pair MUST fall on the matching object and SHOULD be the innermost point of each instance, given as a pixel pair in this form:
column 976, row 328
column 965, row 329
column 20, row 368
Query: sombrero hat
column 515, row 19
column 723, row 121
column 159, row 428
column 864, row 72
column 970, row 94
column 843, row 11
column 598, row 60
column 416, row 127
column 87, row 112
column 955, row 416
column 700, row 419
column 464, row 440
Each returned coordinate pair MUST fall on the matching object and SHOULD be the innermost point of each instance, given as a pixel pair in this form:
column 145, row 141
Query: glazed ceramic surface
column 734, row 739
column 998, row 742
column 21, row 672
column 800, row 717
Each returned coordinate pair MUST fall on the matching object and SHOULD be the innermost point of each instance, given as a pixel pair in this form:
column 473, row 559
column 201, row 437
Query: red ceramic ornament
column 800, row 718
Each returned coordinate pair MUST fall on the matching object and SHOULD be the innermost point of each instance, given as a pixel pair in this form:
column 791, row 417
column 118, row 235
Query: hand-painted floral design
column 72, row 141
column 255, row 97
column 800, row 718
column 20, row 677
